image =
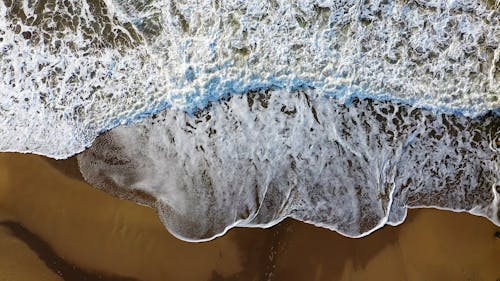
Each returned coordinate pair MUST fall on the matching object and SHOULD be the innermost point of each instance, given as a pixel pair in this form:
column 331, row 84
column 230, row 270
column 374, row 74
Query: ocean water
column 254, row 160
column 337, row 113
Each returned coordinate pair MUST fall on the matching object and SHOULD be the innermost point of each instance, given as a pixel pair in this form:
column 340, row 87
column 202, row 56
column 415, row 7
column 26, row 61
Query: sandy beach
column 49, row 214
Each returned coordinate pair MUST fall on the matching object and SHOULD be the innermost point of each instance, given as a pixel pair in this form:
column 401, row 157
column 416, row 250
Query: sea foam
column 71, row 70
column 231, row 113
column 252, row 161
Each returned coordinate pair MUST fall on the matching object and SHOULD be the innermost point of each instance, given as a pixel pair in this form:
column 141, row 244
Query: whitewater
column 241, row 113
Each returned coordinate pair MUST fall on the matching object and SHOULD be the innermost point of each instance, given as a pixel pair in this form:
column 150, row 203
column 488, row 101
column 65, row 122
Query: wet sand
column 99, row 235
column 19, row 262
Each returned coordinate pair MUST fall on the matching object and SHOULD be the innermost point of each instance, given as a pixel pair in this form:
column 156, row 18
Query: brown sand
column 99, row 233
column 96, row 231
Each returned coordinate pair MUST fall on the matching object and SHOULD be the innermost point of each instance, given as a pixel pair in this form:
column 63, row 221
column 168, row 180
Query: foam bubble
column 71, row 70
column 252, row 161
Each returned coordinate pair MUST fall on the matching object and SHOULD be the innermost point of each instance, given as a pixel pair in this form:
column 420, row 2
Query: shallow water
column 252, row 161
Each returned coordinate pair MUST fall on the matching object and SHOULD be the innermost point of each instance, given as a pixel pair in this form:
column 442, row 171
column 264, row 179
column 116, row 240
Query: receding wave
column 254, row 160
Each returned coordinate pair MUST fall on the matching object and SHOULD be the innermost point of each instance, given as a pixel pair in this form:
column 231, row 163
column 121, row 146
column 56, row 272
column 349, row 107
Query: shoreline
column 97, row 232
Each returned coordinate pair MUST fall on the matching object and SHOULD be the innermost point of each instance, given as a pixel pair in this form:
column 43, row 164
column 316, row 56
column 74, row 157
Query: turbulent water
column 339, row 113
column 255, row 160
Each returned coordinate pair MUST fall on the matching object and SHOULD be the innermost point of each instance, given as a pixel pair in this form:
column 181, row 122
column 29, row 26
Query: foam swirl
column 253, row 161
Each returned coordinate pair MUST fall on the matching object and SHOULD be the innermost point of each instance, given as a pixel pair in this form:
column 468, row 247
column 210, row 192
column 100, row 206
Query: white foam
column 114, row 62
column 253, row 161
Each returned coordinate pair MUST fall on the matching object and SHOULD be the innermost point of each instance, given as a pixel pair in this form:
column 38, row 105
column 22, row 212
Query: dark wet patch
column 58, row 265
column 260, row 250
column 69, row 167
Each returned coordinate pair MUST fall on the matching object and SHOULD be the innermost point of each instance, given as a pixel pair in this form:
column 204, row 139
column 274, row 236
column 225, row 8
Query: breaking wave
column 223, row 113
column 73, row 69
column 254, row 160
